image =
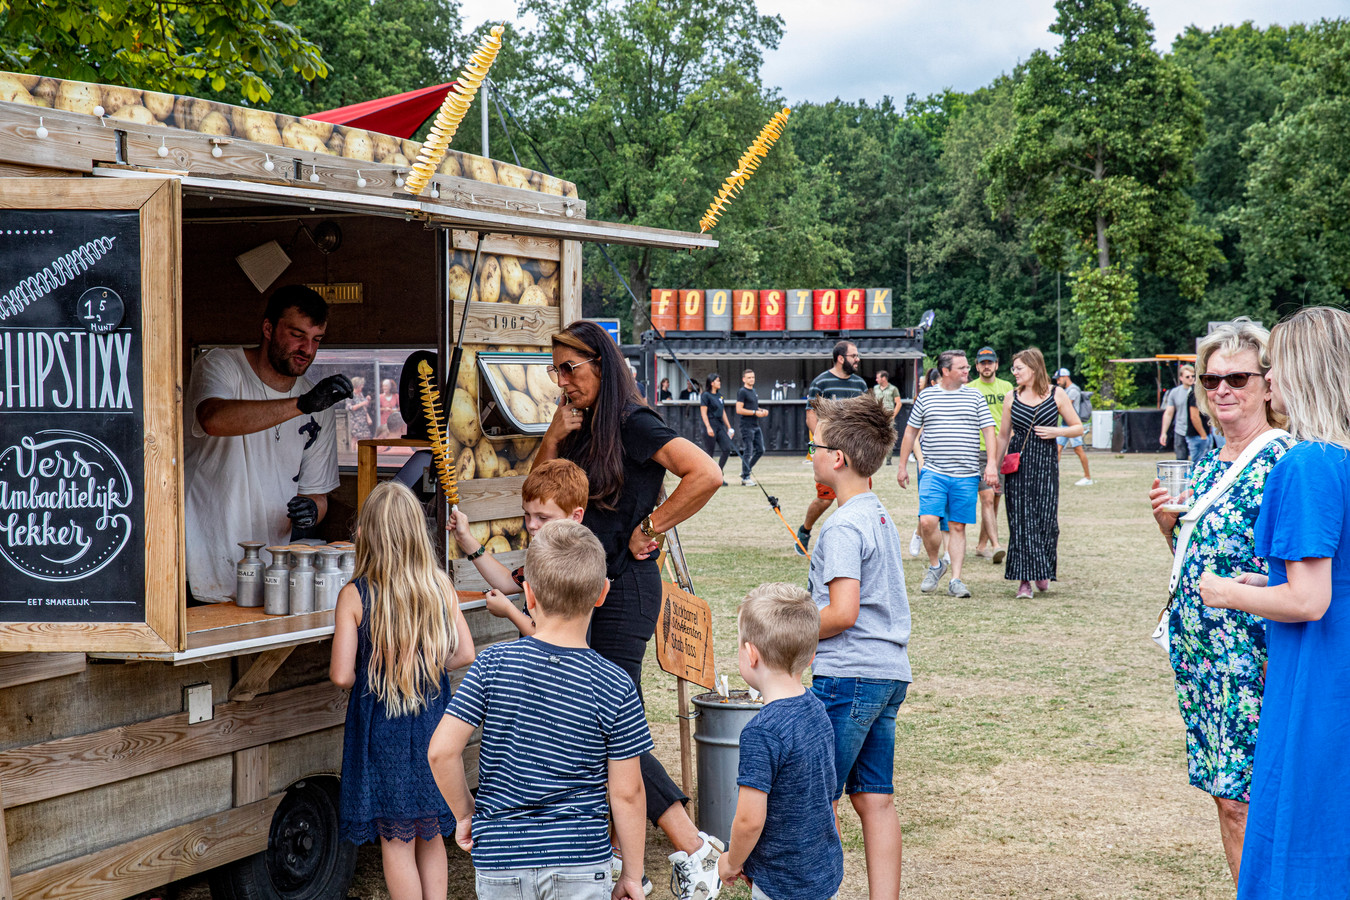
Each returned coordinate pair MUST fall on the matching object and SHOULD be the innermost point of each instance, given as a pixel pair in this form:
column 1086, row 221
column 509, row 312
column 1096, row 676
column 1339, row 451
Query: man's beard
column 847, row 366
column 285, row 365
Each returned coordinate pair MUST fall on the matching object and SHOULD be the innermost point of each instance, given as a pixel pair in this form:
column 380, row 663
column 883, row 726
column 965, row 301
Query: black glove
column 303, row 512
column 325, row 394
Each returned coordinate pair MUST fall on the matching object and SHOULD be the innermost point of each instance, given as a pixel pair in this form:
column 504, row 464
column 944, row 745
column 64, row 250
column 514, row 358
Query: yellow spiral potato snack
column 431, row 403
column 452, row 112
column 745, row 167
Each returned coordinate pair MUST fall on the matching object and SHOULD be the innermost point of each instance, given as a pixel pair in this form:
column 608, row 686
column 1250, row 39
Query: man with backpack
column 1082, row 404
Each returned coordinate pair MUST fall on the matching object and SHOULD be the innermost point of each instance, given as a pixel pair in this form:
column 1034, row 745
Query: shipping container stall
column 142, row 739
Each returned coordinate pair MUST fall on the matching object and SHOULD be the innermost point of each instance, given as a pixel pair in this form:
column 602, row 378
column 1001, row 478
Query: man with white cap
column 1077, row 398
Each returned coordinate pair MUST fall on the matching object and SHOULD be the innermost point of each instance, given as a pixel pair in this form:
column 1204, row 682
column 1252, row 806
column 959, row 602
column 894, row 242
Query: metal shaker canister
column 277, row 582
column 302, row 580
column 348, row 562
column 248, row 576
column 328, row 578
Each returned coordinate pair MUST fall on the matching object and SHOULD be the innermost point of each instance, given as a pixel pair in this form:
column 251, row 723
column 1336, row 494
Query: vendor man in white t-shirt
column 261, row 451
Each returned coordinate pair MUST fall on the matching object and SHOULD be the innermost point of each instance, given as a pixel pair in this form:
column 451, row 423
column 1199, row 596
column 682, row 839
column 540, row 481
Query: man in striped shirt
column 953, row 417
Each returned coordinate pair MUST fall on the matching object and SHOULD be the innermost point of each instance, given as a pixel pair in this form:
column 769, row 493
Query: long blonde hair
column 1035, row 361
column 1310, row 352
column 1231, row 338
column 413, row 605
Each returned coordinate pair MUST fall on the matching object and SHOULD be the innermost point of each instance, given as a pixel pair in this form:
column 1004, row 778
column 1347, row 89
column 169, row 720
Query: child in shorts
column 861, row 671
column 783, row 839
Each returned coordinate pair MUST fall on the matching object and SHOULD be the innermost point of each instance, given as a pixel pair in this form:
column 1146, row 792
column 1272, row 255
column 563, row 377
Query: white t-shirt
column 238, row 487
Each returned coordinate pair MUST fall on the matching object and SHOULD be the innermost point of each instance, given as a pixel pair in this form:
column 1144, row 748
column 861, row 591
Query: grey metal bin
column 717, row 731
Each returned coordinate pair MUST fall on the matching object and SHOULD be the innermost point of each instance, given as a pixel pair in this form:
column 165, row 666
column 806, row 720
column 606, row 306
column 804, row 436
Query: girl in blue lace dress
column 398, row 633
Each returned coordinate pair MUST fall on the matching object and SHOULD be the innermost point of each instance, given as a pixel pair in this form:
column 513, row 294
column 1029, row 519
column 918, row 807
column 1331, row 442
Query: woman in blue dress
column 1298, row 834
column 1219, row 656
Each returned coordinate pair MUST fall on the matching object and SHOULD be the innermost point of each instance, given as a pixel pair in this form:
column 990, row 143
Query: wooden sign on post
column 684, row 636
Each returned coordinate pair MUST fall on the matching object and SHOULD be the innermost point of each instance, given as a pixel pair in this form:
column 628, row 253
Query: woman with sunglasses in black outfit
column 626, row 449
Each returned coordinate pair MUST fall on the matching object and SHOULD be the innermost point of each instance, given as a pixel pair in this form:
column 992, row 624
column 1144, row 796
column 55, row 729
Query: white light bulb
column 98, row 111
column 217, row 152
column 360, row 179
column 398, row 179
column 314, row 175
column 435, row 191
column 163, row 151
column 269, row 165
column 42, row 131
column 568, row 211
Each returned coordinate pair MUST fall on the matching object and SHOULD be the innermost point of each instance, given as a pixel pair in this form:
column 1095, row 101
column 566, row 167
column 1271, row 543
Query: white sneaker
column 694, row 877
column 915, row 545
column 947, row 558
column 1082, row 482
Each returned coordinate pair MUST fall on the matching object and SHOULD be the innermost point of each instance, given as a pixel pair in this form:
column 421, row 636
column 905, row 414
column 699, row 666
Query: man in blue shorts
column 952, row 416
column 1064, row 380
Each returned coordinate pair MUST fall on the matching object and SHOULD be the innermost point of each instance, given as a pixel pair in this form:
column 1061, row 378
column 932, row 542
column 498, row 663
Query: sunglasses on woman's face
column 1238, row 380
column 568, row 369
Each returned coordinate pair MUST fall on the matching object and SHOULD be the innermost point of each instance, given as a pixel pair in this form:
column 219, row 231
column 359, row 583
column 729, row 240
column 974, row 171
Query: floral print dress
column 1219, row 655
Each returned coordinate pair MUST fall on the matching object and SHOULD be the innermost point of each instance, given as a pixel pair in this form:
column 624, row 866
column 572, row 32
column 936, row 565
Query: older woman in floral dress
column 1219, row 656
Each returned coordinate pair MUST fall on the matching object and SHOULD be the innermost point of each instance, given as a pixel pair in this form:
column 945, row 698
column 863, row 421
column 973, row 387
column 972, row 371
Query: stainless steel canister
column 302, row 580
column 328, row 578
column 248, row 576
column 277, row 582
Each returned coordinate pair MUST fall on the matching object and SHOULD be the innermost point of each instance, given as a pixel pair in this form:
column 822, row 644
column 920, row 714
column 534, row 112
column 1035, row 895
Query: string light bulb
column 163, row 150
column 453, row 110
column 745, row 167
column 42, row 131
column 216, row 151
column 398, row 178
column 314, row 175
column 435, row 191
column 360, row 179
column 99, row 111
column 269, row 165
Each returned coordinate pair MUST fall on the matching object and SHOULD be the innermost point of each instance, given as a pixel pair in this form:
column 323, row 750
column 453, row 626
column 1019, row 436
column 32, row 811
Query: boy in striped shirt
column 560, row 726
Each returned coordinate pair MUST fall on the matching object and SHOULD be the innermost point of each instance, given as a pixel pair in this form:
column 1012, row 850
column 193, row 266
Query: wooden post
column 6, row 889
column 686, row 738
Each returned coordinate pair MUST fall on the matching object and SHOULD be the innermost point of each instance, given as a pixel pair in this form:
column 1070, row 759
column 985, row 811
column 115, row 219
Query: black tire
column 305, row 858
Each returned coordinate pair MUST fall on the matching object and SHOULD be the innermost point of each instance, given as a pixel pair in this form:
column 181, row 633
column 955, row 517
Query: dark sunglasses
column 1238, row 380
column 568, row 368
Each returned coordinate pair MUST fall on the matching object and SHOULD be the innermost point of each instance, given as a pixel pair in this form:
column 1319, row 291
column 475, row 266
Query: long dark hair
column 597, row 445
column 711, row 378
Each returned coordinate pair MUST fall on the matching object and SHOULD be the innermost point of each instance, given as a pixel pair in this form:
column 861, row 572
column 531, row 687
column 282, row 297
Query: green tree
column 1296, row 224
column 1103, row 151
column 165, row 45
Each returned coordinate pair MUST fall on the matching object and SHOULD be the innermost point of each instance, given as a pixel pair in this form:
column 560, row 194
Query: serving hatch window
column 373, row 410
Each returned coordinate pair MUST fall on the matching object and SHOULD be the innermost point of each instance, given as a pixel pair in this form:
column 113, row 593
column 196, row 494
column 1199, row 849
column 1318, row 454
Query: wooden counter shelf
column 220, row 630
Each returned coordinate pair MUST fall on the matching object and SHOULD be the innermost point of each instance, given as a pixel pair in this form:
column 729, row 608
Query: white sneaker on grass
column 957, row 588
column 694, row 876
column 915, row 544
column 931, row 576
column 1082, row 482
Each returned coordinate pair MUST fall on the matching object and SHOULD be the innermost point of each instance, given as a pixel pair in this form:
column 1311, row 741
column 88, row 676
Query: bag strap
column 1214, row 495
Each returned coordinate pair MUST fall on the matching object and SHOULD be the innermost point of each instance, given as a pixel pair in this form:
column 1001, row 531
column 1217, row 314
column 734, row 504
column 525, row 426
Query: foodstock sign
column 774, row 309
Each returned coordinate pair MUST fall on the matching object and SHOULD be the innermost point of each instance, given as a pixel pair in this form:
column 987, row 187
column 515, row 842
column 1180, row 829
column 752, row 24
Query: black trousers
column 720, row 439
column 620, row 631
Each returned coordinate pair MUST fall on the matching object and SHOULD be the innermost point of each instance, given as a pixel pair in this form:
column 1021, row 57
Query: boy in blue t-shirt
column 783, row 838
column 560, row 725
column 861, row 670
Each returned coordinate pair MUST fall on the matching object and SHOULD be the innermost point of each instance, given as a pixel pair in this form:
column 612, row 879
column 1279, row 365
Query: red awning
column 398, row 116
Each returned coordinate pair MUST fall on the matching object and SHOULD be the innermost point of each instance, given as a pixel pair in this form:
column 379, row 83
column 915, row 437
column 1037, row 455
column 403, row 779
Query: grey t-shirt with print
column 861, row 541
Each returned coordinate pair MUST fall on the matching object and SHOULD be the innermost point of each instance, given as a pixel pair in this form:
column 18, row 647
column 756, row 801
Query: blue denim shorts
column 862, row 711
column 955, row 499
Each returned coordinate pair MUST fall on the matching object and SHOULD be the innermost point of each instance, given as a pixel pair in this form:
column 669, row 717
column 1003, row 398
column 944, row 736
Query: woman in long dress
column 1031, row 416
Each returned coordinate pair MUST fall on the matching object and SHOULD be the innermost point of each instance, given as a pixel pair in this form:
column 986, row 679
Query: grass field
column 1039, row 752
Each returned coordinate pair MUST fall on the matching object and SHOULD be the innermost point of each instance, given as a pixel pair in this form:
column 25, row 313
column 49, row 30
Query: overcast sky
column 867, row 49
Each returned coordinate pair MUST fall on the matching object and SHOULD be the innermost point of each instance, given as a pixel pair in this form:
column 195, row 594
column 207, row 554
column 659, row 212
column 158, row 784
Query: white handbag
column 1192, row 517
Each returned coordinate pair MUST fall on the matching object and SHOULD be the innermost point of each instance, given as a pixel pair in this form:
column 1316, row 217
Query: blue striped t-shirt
column 552, row 719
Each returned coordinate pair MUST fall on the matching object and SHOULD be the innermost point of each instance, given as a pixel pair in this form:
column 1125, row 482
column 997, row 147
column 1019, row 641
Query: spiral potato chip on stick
column 452, row 112
column 745, row 167
column 431, row 403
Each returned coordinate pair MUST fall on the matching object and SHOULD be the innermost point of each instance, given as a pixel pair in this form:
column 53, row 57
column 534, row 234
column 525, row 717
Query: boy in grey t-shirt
column 861, row 670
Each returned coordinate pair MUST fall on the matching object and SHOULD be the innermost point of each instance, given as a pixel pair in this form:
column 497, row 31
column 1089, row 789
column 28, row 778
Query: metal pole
column 1059, row 328
column 483, row 108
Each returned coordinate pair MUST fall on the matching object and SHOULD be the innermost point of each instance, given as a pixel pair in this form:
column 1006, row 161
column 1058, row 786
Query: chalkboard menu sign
column 72, row 476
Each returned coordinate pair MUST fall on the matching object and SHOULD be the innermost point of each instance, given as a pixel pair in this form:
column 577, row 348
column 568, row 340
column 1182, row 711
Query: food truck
column 143, row 739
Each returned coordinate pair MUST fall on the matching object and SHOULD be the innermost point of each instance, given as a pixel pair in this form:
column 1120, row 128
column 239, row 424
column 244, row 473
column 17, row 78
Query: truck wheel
column 304, row 860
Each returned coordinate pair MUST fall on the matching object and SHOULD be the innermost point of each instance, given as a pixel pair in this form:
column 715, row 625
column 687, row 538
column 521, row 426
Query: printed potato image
column 464, row 423
column 465, row 468
column 214, row 123
column 383, row 146
column 410, row 148
column 485, row 460
column 569, row 189
column 459, row 282
column 498, row 544
column 188, row 112
column 28, row 81
column 511, row 527
column 478, row 169
column 398, row 160
column 137, row 113
column 449, row 166
column 13, row 91
column 466, row 382
column 515, row 376
column 160, row 105
column 542, row 389
column 489, row 279
column 523, row 447
column 513, row 176
column 533, row 295
column 298, row 137
column 509, row 473
column 549, row 286
column 356, row 145
column 45, row 89
column 550, row 184
column 116, row 96
column 322, row 130
column 521, row 540
column 522, row 407
column 513, row 276
column 259, row 126
column 481, row 531
column 76, row 97
column 547, row 267
column 336, row 142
